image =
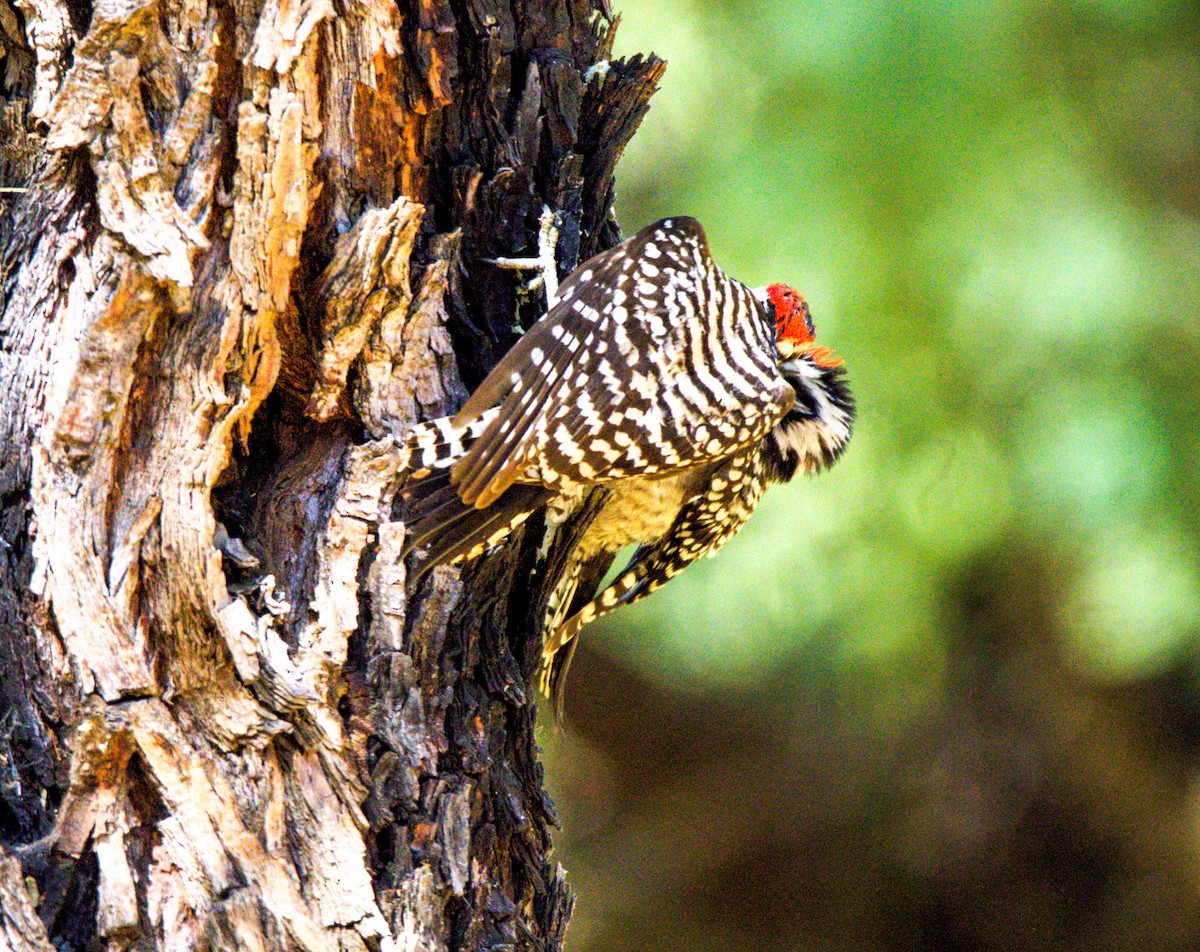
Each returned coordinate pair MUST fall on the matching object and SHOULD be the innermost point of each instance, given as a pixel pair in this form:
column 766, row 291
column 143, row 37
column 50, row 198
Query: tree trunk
column 241, row 249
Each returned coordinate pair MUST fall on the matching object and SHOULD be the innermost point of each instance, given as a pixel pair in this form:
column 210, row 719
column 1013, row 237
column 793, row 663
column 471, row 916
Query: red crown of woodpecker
column 793, row 323
column 792, row 319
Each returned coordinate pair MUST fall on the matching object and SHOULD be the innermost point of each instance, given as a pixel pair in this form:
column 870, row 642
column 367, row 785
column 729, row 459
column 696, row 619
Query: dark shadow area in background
column 1029, row 810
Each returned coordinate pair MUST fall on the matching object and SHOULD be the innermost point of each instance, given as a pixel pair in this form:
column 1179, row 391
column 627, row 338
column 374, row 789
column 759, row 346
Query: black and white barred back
column 655, row 375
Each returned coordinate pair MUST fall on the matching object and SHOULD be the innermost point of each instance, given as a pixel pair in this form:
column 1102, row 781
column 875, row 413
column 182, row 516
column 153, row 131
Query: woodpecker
column 655, row 378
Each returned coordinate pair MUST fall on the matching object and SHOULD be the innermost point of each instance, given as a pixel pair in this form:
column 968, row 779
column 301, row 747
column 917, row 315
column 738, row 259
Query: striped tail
column 438, row 521
column 561, row 640
column 702, row 527
column 651, row 567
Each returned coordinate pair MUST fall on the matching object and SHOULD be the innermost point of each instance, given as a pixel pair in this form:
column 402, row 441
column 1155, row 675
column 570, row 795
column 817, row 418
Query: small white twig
column 545, row 263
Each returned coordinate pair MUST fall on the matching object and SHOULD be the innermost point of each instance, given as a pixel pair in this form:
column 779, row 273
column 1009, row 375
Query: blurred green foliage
column 962, row 191
column 994, row 210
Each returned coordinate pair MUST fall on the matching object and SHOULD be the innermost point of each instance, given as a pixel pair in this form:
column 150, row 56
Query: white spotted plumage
column 655, row 377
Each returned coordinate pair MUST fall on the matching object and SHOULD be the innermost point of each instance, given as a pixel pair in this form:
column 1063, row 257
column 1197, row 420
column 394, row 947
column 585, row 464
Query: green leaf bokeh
column 994, row 211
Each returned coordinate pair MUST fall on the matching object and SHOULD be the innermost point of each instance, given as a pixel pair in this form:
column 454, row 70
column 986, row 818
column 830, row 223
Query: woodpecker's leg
column 544, row 263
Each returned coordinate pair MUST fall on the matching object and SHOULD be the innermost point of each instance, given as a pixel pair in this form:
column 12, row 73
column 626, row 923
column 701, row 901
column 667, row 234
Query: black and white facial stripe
column 815, row 431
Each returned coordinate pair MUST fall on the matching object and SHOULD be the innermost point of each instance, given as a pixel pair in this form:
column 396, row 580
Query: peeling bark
column 241, row 250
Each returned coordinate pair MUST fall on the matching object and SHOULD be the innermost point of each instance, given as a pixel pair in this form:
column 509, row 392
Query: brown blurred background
column 946, row 696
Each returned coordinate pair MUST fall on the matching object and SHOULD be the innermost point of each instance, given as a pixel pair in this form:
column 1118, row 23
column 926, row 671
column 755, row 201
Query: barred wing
column 652, row 361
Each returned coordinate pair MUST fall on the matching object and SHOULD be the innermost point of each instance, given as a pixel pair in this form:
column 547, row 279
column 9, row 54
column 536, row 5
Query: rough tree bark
column 240, row 251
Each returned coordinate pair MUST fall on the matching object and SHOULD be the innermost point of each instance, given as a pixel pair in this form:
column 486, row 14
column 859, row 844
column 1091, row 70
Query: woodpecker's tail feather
column 459, row 532
column 556, row 653
column 555, row 688
column 439, row 521
column 650, row 568
column 627, row 588
column 573, row 591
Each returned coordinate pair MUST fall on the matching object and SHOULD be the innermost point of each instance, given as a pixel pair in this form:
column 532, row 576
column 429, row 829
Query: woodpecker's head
column 793, row 322
column 816, row 429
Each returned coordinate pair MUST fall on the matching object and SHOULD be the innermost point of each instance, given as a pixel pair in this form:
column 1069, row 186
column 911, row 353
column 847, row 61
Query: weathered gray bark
column 239, row 254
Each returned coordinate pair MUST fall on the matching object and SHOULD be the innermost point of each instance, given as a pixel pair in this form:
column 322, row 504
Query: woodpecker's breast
column 638, row 510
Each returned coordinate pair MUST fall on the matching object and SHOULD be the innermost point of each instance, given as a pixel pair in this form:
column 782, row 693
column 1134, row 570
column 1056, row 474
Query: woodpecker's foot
column 544, row 263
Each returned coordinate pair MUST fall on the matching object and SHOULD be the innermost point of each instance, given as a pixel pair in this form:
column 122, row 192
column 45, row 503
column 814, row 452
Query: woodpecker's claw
column 545, row 263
